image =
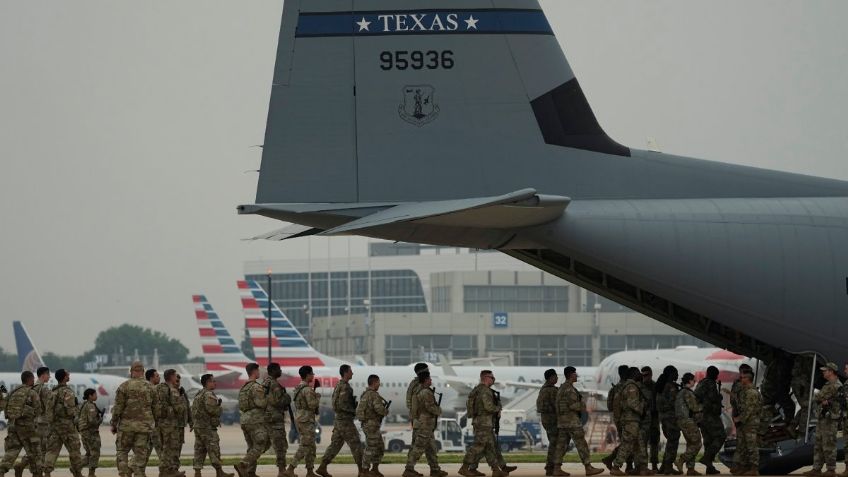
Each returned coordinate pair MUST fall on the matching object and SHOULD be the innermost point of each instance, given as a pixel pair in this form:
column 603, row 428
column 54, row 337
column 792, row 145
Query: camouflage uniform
column 63, row 429
column 22, row 432
column 712, row 429
column 42, row 426
column 630, row 404
column 616, row 419
column 829, row 415
column 170, row 417
column 651, row 423
column 344, row 431
column 483, row 419
column 411, row 392
column 569, row 406
column 206, row 417
column 425, row 415
column 546, row 406
column 278, row 402
column 668, row 418
column 800, row 384
column 88, row 423
column 252, row 405
column 132, row 415
column 306, row 400
column 747, row 431
column 736, row 411
column 370, row 412
column 688, row 413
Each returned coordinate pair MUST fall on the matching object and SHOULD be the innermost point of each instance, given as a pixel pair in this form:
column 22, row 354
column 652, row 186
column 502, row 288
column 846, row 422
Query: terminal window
column 544, row 350
column 404, row 349
column 516, row 299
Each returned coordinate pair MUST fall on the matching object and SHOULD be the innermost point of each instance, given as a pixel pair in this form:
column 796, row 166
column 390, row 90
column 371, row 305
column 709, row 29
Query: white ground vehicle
column 449, row 437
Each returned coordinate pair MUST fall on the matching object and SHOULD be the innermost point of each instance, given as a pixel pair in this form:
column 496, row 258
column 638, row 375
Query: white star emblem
column 363, row 25
column 472, row 22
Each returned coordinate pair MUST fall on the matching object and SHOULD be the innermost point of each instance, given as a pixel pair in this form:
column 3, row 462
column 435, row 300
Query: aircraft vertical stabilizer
column 29, row 358
column 221, row 352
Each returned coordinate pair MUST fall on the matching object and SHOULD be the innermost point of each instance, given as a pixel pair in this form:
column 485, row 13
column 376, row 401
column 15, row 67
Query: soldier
column 3, row 393
column 483, row 411
column 800, row 384
column 183, row 419
column 736, row 406
column 252, row 403
column 712, row 429
column 425, row 413
column 132, row 421
column 623, row 372
column 88, row 423
column 666, row 395
column 152, row 377
column 747, row 427
column 546, row 407
column 826, row 429
column 170, row 416
column 344, row 430
column 279, row 402
column 42, row 425
column 206, row 416
column 371, row 410
column 569, row 407
column 411, row 392
column 651, row 424
column 22, row 408
column 306, row 401
column 688, row 413
column 630, row 405
column 61, row 410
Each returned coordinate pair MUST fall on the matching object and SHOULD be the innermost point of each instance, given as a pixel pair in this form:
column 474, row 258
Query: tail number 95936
column 417, row 60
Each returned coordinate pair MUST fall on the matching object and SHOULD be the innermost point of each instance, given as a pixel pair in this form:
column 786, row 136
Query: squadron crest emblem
column 419, row 105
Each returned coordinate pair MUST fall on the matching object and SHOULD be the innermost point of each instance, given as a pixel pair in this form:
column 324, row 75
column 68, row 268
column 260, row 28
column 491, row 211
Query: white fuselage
column 106, row 385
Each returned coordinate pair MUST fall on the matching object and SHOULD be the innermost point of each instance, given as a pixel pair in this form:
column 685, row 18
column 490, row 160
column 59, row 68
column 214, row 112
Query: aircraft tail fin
column 423, row 93
column 29, row 358
column 221, row 352
column 288, row 346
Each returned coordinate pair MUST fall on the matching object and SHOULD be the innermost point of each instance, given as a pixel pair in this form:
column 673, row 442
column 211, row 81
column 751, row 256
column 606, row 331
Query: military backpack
column 16, row 403
column 245, row 400
column 471, row 403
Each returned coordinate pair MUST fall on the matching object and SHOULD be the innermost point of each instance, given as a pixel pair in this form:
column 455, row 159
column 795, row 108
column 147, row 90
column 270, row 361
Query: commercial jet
column 461, row 123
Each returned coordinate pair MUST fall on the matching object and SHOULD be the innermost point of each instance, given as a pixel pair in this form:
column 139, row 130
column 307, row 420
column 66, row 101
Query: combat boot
column 613, row 470
column 475, row 472
column 409, row 473
column 692, row 471
column 310, row 473
column 375, row 470
column 289, row 472
column 322, row 471
column 91, row 472
column 219, row 472
column 813, row 473
column 590, row 470
column 829, row 473
column 463, row 471
column 558, row 472
column 679, row 464
column 645, row 470
column 509, row 468
column 198, row 473
column 19, row 469
column 549, row 471
column 751, row 471
column 438, row 473
column 607, row 461
column 496, row 472
column 76, row 472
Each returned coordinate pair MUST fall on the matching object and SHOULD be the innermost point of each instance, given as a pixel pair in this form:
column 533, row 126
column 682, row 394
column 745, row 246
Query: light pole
column 269, row 316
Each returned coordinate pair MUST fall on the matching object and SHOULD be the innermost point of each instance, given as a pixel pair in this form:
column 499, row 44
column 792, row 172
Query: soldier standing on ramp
column 371, row 410
column 629, row 405
column 827, row 427
column 712, row 429
column 306, row 401
column 23, row 405
column 569, row 407
column 279, row 402
column 688, row 413
column 252, row 403
column 344, row 430
column 425, row 414
column 546, row 406
column 132, row 421
column 736, row 405
column 748, row 426
column 666, row 395
column 206, row 415
column 88, row 423
column 61, row 411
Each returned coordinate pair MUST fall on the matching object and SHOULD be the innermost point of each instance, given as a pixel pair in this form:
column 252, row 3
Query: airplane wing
column 462, row 386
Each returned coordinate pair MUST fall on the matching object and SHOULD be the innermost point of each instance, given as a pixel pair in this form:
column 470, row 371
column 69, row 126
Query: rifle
column 439, row 402
column 3, row 389
column 498, row 416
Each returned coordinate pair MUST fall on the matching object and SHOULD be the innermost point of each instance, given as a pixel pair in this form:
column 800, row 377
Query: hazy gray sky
column 125, row 128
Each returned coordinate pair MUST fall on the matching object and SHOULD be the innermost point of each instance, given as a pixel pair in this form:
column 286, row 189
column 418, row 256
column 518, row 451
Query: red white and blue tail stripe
column 288, row 347
column 220, row 350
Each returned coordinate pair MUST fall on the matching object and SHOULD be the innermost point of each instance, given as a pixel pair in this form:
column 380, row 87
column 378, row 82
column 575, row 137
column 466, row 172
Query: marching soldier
column 169, row 417
column 712, row 429
column 279, row 402
column 344, row 430
column 623, row 372
column 569, row 407
column 651, row 422
column 206, row 416
column 425, row 413
column 152, row 377
column 483, row 410
column 629, row 405
column 252, row 403
column 736, row 405
column 666, row 395
column 688, row 413
column 132, row 421
column 826, row 429
column 88, row 423
column 411, row 392
column 546, row 406
column 306, row 401
column 61, row 410
column 23, row 406
column 183, row 419
column 42, row 424
column 747, row 427
column 371, row 410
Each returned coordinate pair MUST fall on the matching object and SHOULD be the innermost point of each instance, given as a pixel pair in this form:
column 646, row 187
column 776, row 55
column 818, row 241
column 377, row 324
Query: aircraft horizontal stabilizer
column 518, row 209
column 290, row 232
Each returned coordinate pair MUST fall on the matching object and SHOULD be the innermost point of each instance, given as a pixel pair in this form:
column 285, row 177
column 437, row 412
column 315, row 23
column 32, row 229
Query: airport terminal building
column 405, row 303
